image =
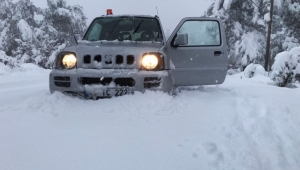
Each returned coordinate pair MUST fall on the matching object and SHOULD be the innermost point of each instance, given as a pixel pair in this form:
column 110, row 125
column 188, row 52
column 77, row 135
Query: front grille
column 89, row 80
column 109, row 59
column 119, row 59
column 87, row 59
column 62, row 78
column 128, row 82
column 123, row 82
column 130, row 59
column 62, row 81
column 151, row 82
column 62, row 84
column 98, row 58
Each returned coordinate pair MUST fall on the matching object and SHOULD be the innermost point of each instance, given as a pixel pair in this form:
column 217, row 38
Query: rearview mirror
column 181, row 39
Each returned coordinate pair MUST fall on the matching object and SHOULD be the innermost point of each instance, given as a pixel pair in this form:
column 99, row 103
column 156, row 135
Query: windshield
column 124, row 28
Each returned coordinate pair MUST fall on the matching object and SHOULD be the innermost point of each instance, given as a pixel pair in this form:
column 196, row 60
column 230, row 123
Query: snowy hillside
column 244, row 124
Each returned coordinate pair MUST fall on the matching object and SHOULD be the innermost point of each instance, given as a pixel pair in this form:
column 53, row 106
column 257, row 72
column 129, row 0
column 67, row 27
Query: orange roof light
column 109, row 12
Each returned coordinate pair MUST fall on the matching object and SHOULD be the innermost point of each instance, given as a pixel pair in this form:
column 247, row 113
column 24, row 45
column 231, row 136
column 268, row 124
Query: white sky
column 170, row 11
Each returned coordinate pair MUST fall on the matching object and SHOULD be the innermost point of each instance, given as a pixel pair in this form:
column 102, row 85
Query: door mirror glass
column 181, row 39
column 201, row 33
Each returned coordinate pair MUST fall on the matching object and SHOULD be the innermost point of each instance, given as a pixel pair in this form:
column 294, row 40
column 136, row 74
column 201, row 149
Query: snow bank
column 233, row 71
column 26, row 67
column 4, row 69
column 243, row 124
column 253, row 70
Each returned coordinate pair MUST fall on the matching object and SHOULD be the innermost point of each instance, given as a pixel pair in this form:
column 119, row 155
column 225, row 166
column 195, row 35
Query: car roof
column 129, row 15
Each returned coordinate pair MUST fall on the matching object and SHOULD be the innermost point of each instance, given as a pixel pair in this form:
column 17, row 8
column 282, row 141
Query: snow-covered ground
column 243, row 124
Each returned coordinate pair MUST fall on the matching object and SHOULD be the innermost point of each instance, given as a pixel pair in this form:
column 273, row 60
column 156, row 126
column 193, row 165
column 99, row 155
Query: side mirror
column 181, row 39
column 77, row 38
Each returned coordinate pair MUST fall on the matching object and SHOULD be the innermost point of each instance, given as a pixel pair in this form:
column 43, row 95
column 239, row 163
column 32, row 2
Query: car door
column 203, row 60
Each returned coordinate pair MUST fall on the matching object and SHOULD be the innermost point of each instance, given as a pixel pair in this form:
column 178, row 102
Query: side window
column 202, row 33
column 94, row 35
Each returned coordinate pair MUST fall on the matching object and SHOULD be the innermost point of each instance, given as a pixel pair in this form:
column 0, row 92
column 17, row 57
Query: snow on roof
column 129, row 15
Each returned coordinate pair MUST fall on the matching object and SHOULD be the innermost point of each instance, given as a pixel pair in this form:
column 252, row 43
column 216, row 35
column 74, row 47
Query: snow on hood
column 116, row 47
column 127, row 46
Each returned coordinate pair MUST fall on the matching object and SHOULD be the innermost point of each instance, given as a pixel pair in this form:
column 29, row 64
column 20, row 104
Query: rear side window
column 202, row 33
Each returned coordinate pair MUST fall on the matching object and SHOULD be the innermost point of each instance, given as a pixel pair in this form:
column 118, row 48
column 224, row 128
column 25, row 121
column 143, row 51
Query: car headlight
column 152, row 61
column 69, row 61
column 66, row 60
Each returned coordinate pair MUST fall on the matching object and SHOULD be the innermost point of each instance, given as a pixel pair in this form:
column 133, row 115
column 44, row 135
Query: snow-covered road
column 242, row 124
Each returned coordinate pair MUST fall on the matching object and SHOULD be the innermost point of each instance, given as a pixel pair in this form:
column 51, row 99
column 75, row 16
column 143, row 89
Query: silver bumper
column 77, row 80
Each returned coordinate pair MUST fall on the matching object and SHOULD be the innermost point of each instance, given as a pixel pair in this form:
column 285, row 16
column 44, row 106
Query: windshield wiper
column 134, row 30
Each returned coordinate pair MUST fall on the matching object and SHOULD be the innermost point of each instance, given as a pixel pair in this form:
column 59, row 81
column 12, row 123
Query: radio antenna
column 157, row 10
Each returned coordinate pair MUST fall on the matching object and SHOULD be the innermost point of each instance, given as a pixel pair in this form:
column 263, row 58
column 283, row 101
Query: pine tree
column 26, row 40
column 61, row 23
column 246, row 27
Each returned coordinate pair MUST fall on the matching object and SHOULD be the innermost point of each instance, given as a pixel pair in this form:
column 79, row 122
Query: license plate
column 106, row 92
column 115, row 92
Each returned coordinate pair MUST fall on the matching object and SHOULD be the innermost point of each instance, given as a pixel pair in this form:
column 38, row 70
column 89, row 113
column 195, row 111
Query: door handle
column 217, row 53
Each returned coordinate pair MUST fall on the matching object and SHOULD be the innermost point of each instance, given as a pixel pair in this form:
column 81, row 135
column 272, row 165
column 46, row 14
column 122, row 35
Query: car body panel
column 196, row 64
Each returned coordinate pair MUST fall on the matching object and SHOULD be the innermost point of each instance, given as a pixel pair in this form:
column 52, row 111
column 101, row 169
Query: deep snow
column 239, row 125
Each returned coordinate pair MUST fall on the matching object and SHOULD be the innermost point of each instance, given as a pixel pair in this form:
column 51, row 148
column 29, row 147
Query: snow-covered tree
column 246, row 27
column 61, row 23
column 286, row 66
column 6, row 14
column 29, row 34
column 6, row 60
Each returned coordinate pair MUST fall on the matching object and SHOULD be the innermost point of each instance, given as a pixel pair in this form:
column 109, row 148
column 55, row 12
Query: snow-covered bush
column 6, row 60
column 254, row 69
column 286, row 67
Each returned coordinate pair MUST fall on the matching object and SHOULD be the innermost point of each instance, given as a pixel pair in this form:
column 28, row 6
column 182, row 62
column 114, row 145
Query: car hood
column 106, row 55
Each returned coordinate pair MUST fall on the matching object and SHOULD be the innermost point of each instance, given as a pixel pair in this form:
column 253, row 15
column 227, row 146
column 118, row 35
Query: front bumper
column 78, row 81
